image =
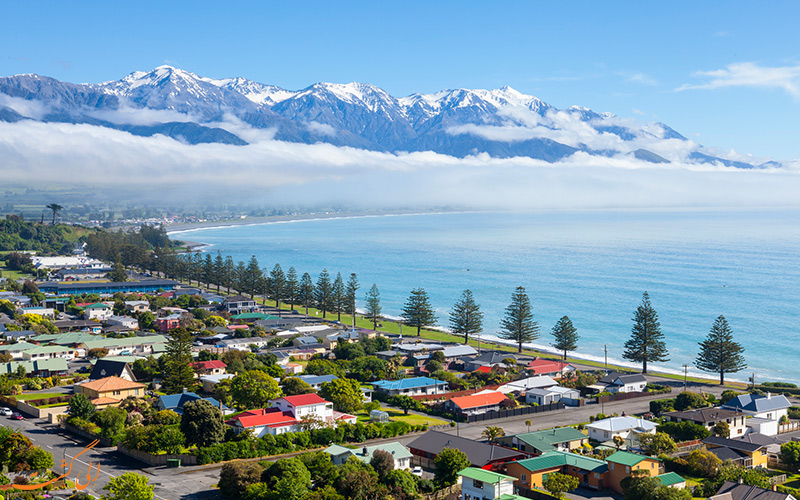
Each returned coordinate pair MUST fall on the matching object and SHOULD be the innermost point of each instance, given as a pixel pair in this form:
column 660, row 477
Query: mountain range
column 501, row 123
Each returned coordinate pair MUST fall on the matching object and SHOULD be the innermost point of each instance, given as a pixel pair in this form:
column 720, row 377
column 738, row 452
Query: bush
column 689, row 400
column 659, row 406
column 684, row 431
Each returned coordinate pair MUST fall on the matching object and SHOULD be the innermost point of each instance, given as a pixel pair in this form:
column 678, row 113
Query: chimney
column 184, row 390
column 365, row 451
column 769, row 395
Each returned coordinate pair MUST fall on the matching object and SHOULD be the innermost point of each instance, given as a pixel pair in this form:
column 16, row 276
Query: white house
column 619, row 382
column 625, row 427
column 770, row 407
column 311, row 406
column 98, row 311
column 555, row 394
column 48, row 352
column 400, row 454
column 125, row 321
column 287, row 414
column 525, row 384
column 481, row 484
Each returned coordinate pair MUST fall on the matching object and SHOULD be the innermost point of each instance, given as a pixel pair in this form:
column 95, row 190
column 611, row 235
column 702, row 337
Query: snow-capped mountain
column 459, row 122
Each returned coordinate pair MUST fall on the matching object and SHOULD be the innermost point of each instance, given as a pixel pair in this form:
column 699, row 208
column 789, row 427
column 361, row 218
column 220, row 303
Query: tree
column 128, row 486
column 619, row 441
column 38, row 459
column 719, row 353
column 250, row 277
column 383, row 462
column 658, row 443
column 466, row 317
column 293, row 386
column 55, row 207
column 202, row 423
column 558, row 484
column 518, row 324
column 178, row 372
column 324, row 292
column 81, row 407
column 639, row 485
column 277, row 282
column 790, row 453
column 449, row 462
column 688, row 400
column 97, row 352
column 111, row 421
column 307, row 291
column 344, row 393
column 254, row 389
column 219, row 270
column 288, row 478
column 492, row 432
column 118, row 273
column 292, row 287
column 350, row 293
column 722, row 429
column 684, row 431
column 418, row 311
column 647, row 342
column 338, row 297
column 565, row 336
column 373, row 301
column 703, row 463
column 235, row 477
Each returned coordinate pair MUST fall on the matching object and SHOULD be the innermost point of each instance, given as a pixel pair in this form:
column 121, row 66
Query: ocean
column 589, row 265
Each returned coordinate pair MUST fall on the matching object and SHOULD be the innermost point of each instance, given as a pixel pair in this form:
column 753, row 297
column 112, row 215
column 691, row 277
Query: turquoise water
column 591, row 266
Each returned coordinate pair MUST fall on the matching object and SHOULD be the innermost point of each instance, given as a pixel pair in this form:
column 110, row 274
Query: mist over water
column 590, row 265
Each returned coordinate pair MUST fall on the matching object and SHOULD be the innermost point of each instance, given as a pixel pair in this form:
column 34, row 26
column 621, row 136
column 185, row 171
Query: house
column 531, row 473
column 570, row 397
column 251, row 317
column 18, row 335
column 176, row 402
column 414, row 386
column 275, row 323
column 736, row 491
column 426, row 447
column 97, row 311
column 69, row 325
column 265, row 421
column 82, row 273
column 620, row 382
column 49, row 351
column 146, row 344
column 400, row 454
column 125, row 321
column 311, row 406
column 239, row 304
column 622, row 463
column 137, row 306
column 475, row 404
column 490, row 359
column 764, row 412
column 480, row 484
column 709, row 417
column 672, row 480
column 210, row 381
column 331, row 340
column 109, row 391
column 316, row 381
column 38, row 368
column 212, row 367
column 110, row 368
column 750, row 450
column 16, row 350
column 624, row 427
column 523, row 385
column 167, row 323
column 549, row 367
column 540, row 442
column 293, row 368
column 306, row 342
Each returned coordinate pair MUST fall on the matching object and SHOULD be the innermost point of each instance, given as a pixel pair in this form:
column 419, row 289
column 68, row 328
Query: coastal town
column 150, row 373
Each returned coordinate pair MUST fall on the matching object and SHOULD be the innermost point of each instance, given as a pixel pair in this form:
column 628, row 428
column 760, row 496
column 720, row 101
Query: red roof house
column 264, row 421
column 551, row 368
column 476, row 403
column 213, row 367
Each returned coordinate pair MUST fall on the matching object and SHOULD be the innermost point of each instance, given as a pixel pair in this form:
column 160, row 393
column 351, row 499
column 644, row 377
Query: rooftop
column 111, row 384
column 546, row 439
column 670, row 478
column 406, row 383
column 478, row 400
column 621, row 423
column 553, row 459
column 628, row 458
column 756, row 403
column 479, row 454
column 485, row 476
column 304, row 400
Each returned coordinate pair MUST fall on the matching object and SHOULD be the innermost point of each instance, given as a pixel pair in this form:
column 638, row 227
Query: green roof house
column 485, row 484
column 401, row 455
column 539, row 442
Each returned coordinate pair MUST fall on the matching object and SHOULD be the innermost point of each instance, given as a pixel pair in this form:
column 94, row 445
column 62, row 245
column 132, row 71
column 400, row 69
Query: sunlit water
column 591, row 266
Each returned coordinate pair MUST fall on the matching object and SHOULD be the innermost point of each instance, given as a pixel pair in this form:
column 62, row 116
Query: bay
column 589, row 265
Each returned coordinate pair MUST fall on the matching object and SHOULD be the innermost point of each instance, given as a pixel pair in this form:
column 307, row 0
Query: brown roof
column 104, row 401
column 112, row 384
column 704, row 415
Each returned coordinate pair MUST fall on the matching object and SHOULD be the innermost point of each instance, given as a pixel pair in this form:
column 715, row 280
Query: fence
column 155, row 460
column 455, row 394
column 790, row 427
column 534, row 494
column 515, row 412
column 88, row 435
column 685, row 447
column 621, row 396
column 443, row 493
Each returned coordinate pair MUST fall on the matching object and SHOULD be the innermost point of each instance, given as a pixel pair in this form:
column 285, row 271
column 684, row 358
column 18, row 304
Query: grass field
column 398, row 416
column 39, row 395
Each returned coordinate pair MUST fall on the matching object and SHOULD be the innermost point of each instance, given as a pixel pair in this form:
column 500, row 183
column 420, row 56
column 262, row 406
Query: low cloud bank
column 275, row 172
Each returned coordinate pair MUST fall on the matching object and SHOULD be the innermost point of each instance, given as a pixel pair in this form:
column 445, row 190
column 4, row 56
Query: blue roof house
column 415, row 386
column 175, row 402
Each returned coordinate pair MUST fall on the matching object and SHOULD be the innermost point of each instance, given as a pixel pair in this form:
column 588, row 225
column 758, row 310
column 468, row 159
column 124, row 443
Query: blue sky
column 726, row 74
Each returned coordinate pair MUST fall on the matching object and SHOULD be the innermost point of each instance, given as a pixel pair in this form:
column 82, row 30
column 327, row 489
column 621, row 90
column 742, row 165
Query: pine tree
column 177, row 363
column 647, row 341
column 466, row 317
column 373, row 302
column 251, row 278
column 417, row 311
column 219, row 270
column 719, row 353
column 229, row 276
column 518, row 324
column 208, row 270
column 338, row 296
column 307, row 291
column 277, row 281
column 324, row 292
column 566, row 336
column 350, row 292
column 292, row 287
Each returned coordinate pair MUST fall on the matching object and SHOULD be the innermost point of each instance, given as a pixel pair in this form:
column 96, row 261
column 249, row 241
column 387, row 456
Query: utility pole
column 685, row 373
column 605, row 351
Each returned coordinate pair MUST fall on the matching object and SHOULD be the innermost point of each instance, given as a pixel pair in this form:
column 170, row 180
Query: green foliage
column 178, row 372
column 81, row 407
column 44, row 239
column 449, row 462
column 202, row 423
column 253, row 389
column 658, row 443
column 111, row 421
column 790, row 453
column 721, row 429
column 728, row 394
column 732, row 472
column 466, row 317
column 518, row 324
column 293, row 386
column 288, row 478
column 703, row 463
column 348, row 350
column 128, row 486
column 417, row 311
column 344, row 393
column 565, row 336
column 647, row 342
column 557, row 484
column 38, row 459
column 323, row 367
column 358, row 481
column 719, row 353
column 684, row 431
column 368, row 368
column 235, row 477
column 688, row 400
column 373, row 303
column 382, row 462
column 659, row 406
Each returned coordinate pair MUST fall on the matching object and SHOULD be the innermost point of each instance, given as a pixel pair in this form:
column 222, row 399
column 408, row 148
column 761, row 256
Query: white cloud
column 643, row 79
column 321, row 128
column 271, row 171
column 748, row 74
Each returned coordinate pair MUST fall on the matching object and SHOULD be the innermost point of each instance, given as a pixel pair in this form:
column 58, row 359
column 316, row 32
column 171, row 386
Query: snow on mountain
column 501, row 122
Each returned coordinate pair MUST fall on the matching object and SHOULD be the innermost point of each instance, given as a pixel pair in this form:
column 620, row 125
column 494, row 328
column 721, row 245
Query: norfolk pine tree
column 373, row 301
column 647, row 341
column 565, row 335
column 307, row 291
column 719, row 353
column 352, row 289
column 518, row 324
column 418, row 311
column 277, row 282
column 178, row 372
column 324, row 292
column 338, row 296
column 292, row 287
column 466, row 317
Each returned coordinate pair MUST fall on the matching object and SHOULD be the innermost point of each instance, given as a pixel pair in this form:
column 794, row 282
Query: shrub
column 659, row 406
column 688, row 400
column 684, row 431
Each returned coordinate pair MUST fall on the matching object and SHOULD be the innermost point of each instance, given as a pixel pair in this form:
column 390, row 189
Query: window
column 523, row 477
column 477, row 484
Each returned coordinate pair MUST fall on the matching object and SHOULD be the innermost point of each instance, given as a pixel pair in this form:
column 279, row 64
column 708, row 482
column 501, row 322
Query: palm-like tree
column 55, row 207
column 492, row 432
column 528, row 423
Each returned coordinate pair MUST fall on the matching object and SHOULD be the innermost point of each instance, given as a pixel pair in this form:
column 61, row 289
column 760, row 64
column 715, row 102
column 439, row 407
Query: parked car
column 6, row 412
column 417, row 471
column 17, row 416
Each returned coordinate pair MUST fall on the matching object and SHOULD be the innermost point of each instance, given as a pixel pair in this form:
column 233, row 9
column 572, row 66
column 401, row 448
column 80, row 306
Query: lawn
column 398, row 416
column 38, row 395
column 792, row 479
